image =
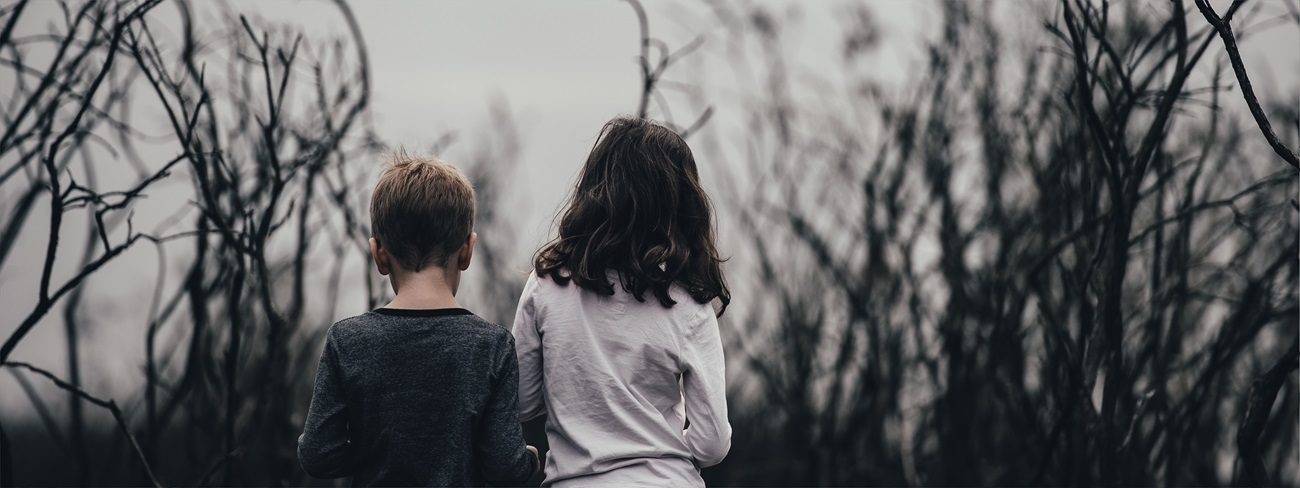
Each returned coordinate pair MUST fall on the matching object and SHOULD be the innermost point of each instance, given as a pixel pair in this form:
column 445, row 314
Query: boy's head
column 422, row 211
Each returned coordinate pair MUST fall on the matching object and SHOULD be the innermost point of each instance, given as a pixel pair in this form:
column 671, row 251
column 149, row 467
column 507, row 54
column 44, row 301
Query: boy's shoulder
column 382, row 321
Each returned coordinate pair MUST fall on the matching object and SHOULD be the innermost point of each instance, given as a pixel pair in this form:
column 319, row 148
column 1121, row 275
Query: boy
column 420, row 392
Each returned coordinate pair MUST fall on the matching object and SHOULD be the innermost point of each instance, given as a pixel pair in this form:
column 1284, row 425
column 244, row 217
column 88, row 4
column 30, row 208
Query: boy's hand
column 536, row 457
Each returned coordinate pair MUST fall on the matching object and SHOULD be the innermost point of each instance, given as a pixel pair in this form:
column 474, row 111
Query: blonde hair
column 422, row 210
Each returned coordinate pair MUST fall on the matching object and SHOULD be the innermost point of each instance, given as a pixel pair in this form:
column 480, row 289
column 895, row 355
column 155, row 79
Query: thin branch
column 13, row 20
column 44, row 305
column 699, row 122
column 647, row 75
column 1263, row 392
column 111, row 405
column 1224, row 28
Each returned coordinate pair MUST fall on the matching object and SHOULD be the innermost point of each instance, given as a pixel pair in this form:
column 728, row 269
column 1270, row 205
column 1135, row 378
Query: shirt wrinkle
column 416, row 398
column 610, row 373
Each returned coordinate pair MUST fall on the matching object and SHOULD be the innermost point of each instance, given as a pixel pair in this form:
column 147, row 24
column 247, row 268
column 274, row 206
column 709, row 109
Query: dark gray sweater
column 416, row 398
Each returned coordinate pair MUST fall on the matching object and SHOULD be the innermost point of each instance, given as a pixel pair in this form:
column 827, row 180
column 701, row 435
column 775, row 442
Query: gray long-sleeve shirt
column 617, row 378
column 416, row 398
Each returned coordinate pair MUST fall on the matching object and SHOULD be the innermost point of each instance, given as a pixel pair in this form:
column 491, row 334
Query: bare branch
column 1263, row 392
column 1224, row 28
column 110, row 405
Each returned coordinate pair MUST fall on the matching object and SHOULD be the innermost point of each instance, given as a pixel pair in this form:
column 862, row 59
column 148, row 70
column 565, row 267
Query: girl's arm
column 528, row 347
column 323, row 448
column 704, row 385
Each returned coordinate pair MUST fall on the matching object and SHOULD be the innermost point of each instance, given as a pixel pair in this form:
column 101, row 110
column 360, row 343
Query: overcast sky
column 562, row 67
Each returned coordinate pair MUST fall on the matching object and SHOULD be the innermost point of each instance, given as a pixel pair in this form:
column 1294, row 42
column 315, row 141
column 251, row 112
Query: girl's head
column 638, row 210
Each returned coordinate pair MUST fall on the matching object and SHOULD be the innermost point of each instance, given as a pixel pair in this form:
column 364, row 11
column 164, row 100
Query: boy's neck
column 430, row 288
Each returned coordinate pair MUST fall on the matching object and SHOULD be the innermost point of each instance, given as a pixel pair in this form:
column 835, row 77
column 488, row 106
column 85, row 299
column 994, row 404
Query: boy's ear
column 466, row 252
column 381, row 257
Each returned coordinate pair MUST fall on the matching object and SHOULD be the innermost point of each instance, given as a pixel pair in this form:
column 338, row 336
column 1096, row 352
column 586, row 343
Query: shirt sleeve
column 324, row 449
column 704, row 385
column 528, row 347
column 503, row 460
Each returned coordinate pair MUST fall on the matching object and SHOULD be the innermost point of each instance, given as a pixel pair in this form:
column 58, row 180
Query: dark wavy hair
column 638, row 210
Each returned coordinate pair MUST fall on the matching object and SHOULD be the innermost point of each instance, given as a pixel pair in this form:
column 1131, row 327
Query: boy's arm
column 704, row 384
column 503, row 457
column 323, row 448
column 528, row 346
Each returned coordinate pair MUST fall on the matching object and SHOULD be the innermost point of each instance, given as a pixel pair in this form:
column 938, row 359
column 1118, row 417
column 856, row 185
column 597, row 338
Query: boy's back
column 427, row 397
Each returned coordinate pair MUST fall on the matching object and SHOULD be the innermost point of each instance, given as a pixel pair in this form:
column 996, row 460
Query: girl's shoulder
column 546, row 289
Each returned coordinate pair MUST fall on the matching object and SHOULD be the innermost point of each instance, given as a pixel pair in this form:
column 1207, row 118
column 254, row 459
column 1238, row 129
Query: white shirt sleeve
column 704, row 385
column 528, row 348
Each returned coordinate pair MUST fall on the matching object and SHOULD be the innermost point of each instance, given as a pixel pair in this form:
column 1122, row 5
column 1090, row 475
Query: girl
column 617, row 339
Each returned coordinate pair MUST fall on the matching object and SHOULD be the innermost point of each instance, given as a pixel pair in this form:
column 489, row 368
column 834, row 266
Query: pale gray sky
column 563, row 68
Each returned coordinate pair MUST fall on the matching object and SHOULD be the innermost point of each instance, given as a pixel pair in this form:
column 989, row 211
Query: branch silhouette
column 109, row 405
column 1224, row 28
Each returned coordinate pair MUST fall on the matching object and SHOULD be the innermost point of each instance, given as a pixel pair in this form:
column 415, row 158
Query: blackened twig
column 1247, row 90
column 1263, row 392
column 111, row 405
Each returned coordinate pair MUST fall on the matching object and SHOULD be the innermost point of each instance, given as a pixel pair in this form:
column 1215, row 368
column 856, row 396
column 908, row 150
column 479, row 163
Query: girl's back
column 616, row 334
column 621, row 376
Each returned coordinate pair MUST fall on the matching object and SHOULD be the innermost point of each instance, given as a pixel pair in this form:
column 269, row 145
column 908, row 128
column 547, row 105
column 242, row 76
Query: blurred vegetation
column 1046, row 261
column 265, row 130
column 1057, row 258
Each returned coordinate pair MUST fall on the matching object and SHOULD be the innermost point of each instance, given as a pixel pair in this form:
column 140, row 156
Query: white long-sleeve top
column 617, row 378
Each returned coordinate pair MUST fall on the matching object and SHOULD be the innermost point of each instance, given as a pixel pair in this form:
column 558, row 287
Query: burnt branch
column 109, row 405
column 652, row 72
column 1263, row 393
column 1224, row 29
